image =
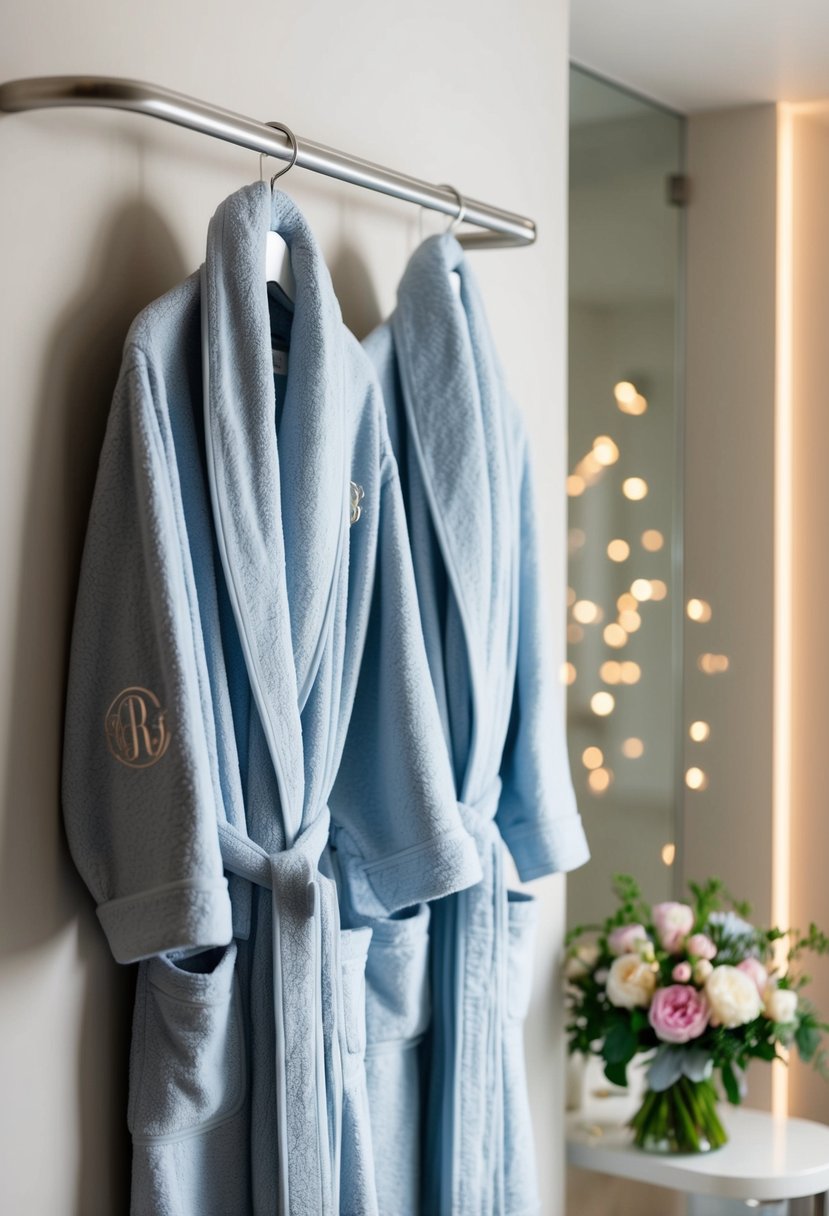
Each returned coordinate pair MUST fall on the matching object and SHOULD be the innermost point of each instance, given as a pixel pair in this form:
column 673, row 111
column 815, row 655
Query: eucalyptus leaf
column 665, row 1069
column 697, row 1064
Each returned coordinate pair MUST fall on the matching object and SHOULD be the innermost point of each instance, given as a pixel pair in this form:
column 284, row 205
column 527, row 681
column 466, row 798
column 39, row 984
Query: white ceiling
column 702, row 54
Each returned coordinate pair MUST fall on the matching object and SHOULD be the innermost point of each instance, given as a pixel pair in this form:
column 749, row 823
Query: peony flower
column 581, row 962
column 702, row 970
column 682, row 973
column 678, row 1013
column 733, row 997
column 673, row 923
column 781, row 1004
column 625, row 938
column 754, row 969
column 701, row 946
column 630, row 983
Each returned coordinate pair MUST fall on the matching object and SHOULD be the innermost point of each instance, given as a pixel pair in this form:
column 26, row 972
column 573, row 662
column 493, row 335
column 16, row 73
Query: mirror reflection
column 624, row 573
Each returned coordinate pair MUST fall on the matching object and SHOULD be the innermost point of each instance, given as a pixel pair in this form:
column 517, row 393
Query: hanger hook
column 280, row 126
column 461, row 216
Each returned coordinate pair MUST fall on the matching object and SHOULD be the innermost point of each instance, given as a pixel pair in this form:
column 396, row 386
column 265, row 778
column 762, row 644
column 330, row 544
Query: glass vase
column 680, row 1119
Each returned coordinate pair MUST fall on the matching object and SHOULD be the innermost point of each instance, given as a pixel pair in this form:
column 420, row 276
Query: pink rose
column 673, row 923
column 625, row 939
column 754, row 969
column 701, row 946
column 678, row 1013
column 682, row 973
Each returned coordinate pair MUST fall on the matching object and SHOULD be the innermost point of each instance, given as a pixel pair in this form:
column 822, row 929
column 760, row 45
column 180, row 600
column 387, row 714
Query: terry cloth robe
column 462, row 453
column 245, row 657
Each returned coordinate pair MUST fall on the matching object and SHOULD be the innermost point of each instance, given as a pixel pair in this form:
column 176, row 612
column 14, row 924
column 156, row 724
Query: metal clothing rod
column 501, row 228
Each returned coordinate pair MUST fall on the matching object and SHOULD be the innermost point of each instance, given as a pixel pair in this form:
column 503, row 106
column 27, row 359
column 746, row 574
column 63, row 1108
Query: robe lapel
column 279, row 508
column 457, row 421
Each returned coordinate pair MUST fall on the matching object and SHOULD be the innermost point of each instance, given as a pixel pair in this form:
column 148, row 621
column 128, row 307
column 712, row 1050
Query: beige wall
column 809, row 1093
column 99, row 213
column 729, row 501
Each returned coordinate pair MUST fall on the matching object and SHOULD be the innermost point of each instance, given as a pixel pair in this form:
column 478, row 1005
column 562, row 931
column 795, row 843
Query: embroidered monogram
column 357, row 496
column 136, row 729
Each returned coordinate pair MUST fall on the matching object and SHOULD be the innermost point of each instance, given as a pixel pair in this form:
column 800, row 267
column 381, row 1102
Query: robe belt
column 305, row 938
column 481, row 944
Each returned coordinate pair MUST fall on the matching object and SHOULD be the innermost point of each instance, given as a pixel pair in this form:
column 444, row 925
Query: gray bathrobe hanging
column 462, row 452
column 249, row 715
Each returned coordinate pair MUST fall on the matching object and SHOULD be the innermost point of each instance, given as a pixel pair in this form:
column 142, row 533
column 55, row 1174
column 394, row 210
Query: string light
column 631, row 673
column 628, row 398
column 575, row 485
column 599, row 780
column 633, row 748
column 592, row 757
column 652, row 540
column 698, row 610
column 630, row 621
column 641, row 589
column 696, row 779
column 567, row 673
column 618, row 550
column 605, row 451
column 611, row 672
column 615, row 636
column 602, row 703
column 635, row 488
column 713, row 664
column 658, row 589
column 586, row 612
column 699, row 731
column 668, row 854
column 627, row 602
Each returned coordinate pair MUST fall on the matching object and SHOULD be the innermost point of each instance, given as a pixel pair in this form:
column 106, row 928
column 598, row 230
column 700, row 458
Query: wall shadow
column 355, row 290
column 41, row 894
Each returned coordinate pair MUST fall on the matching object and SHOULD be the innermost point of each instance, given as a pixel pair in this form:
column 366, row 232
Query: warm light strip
column 783, row 488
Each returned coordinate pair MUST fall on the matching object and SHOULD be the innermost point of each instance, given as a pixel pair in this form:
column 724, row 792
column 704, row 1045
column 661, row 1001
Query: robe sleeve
column 537, row 813
column 397, row 824
column 138, row 797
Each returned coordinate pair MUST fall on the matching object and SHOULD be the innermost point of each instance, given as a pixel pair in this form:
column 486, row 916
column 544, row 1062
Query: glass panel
column 624, row 593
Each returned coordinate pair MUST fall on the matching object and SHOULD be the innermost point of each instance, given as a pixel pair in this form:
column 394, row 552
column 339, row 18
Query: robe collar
column 280, row 507
column 458, row 418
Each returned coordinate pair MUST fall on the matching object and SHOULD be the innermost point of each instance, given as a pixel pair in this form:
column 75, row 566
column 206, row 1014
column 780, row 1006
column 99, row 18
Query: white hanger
column 277, row 255
column 278, row 265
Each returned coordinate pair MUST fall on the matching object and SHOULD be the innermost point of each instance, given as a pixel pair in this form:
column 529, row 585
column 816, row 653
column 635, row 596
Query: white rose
column 702, row 970
column 631, row 982
column 581, row 962
column 781, row 1004
column 733, row 997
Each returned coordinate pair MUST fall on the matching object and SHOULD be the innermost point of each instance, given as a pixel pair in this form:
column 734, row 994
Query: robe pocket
column 187, row 1067
column 354, row 944
column 398, row 1004
column 522, row 914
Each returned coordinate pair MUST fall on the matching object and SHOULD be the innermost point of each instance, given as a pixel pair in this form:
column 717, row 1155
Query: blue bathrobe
column 462, row 452
column 250, row 721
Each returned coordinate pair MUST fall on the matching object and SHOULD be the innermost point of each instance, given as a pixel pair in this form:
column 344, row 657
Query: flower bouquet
column 697, row 988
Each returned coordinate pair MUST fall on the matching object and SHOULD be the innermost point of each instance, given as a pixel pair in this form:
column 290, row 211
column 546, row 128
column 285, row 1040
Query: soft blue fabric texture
column 250, row 718
column 462, row 454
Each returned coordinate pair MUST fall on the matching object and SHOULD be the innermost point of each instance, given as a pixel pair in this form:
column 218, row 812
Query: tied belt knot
column 478, row 815
column 305, row 939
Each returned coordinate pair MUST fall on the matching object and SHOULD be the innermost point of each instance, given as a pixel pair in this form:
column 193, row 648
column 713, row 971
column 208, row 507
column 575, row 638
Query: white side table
column 766, row 1161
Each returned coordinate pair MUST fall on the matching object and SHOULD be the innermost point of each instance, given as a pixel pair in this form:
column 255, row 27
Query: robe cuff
column 551, row 847
column 424, row 872
column 179, row 916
